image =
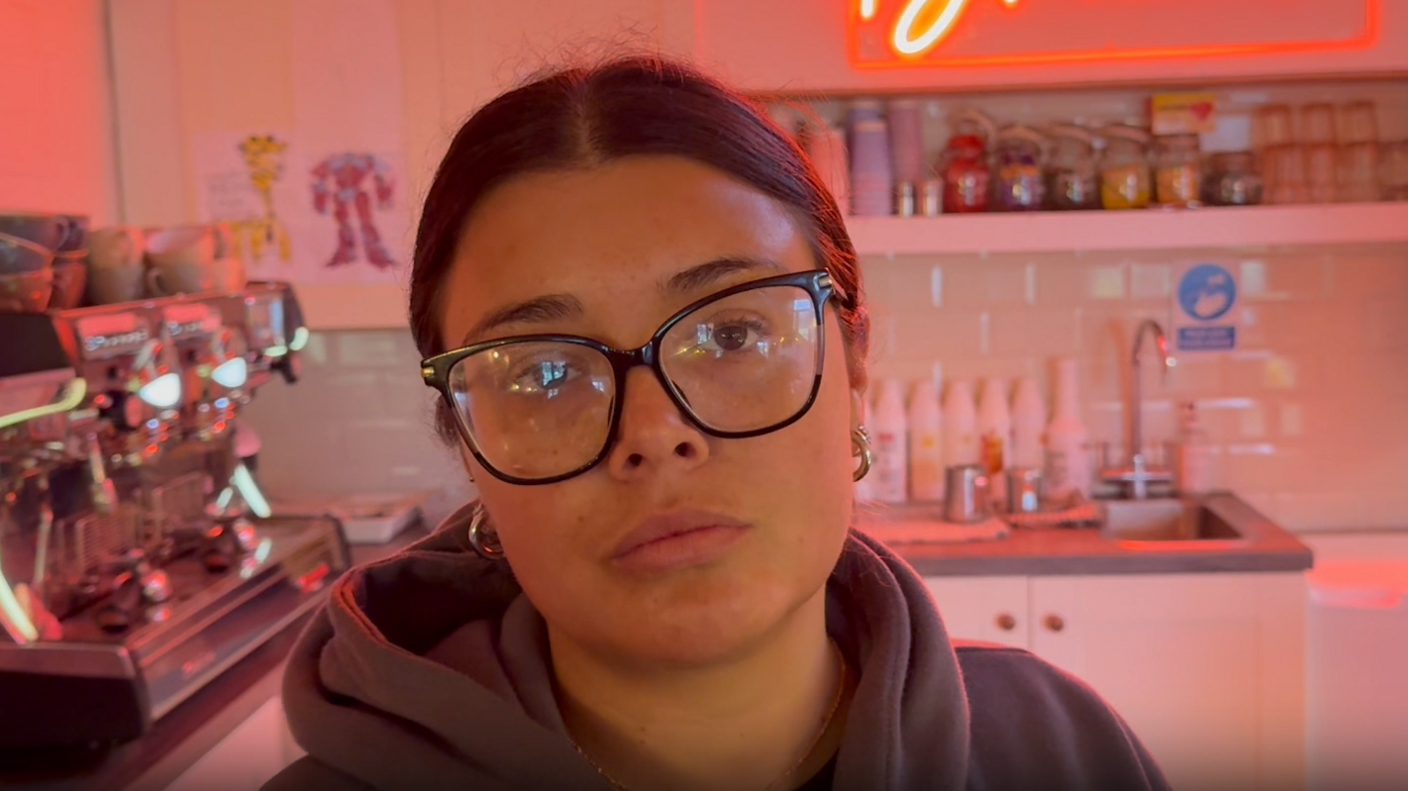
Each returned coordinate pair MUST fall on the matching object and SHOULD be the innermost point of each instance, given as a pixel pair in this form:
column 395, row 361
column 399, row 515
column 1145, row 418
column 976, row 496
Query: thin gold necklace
column 821, row 733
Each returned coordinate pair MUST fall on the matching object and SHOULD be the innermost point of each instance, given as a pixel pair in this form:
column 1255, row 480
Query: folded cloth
column 1078, row 512
column 923, row 524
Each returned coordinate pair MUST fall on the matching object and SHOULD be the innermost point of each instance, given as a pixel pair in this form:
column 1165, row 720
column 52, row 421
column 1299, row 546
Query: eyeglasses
column 538, row 409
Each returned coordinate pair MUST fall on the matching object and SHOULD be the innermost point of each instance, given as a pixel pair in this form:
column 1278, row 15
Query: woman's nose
column 654, row 436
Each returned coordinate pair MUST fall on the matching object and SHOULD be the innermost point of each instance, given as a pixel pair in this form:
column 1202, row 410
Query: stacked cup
column 872, row 179
column 41, row 259
column 115, row 265
column 192, row 259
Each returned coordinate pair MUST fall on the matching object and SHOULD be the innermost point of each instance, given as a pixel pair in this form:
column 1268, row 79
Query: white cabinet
column 993, row 609
column 1208, row 669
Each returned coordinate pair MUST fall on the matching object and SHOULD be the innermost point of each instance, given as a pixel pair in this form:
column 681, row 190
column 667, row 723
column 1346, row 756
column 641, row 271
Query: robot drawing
column 339, row 184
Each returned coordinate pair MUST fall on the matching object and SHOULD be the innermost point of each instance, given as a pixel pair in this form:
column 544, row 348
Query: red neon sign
column 911, row 33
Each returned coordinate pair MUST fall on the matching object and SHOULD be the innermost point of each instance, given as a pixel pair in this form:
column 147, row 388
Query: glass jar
column 1124, row 169
column 1233, row 179
column 963, row 165
column 1017, row 182
column 1178, row 171
column 1393, row 170
column 1072, row 180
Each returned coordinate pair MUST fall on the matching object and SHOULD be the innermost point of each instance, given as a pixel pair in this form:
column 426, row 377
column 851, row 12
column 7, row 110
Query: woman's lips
column 677, row 540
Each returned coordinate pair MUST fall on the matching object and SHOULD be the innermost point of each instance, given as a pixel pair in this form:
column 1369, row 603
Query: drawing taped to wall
column 241, row 177
column 264, row 158
column 344, row 187
column 322, row 194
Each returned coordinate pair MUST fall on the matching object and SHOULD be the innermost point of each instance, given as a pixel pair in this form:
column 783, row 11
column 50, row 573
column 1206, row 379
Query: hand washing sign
column 1205, row 309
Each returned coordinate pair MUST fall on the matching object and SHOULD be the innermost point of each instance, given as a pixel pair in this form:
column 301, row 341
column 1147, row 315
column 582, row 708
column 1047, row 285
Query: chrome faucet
column 1137, row 475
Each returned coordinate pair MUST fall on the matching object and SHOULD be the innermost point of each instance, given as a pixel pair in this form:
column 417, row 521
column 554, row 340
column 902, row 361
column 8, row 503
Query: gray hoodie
column 429, row 670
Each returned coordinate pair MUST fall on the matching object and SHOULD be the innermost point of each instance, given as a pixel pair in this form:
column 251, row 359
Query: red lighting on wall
column 928, row 33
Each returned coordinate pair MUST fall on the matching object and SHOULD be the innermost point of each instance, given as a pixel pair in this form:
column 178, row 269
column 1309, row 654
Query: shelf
column 351, row 306
column 1151, row 229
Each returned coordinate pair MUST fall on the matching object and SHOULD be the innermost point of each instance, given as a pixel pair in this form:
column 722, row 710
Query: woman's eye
column 732, row 336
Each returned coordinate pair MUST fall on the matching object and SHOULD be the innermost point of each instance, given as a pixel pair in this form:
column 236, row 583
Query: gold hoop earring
column 482, row 538
column 860, row 444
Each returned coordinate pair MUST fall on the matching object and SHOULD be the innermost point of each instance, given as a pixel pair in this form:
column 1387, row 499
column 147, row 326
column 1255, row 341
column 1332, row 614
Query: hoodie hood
column 366, row 695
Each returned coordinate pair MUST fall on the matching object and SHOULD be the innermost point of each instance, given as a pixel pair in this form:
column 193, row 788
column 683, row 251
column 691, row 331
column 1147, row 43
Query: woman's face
column 611, row 239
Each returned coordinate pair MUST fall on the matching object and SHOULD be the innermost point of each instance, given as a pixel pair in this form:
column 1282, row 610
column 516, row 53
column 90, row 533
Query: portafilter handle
column 44, row 535
column 100, row 487
column 289, row 366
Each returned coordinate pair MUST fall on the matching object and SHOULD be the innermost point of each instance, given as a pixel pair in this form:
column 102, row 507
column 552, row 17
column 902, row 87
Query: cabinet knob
column 1054, row 623
column 1006, row 622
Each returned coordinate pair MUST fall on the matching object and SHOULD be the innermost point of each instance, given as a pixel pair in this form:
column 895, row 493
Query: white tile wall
column 359, row 420
column 1309, row 416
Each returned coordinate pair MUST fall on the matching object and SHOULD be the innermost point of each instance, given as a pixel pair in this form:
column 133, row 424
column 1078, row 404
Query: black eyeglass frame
column 435, row 370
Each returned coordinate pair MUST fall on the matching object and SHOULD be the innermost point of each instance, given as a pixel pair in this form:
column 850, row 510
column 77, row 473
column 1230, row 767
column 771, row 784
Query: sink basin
column 1166, row 521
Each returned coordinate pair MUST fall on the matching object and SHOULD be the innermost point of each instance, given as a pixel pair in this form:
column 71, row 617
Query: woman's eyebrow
column 706, row 274
column 553, row 307
column 549, row 307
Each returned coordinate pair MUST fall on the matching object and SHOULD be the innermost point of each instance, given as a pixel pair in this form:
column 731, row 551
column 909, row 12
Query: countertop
column 189, row 731
column 1267, row 547
column 178, row 740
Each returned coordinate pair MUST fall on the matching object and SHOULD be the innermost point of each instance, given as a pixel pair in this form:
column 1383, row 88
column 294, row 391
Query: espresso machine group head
column 138, row 557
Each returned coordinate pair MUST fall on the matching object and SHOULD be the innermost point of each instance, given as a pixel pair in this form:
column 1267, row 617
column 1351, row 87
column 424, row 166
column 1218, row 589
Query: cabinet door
column 1207, row 669
column 983, row 608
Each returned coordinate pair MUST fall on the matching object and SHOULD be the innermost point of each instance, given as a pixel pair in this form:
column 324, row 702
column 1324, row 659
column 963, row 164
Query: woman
column 645, row 320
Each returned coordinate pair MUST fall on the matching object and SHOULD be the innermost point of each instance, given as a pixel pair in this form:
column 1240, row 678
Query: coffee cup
column 113, row 284
column 45, row 230
column 188, row 244
column 187, row 277
column 76, row 236
column 26, row 292
column 115, row 247
column 967, row 494
column 70, row 279
column 18, row 256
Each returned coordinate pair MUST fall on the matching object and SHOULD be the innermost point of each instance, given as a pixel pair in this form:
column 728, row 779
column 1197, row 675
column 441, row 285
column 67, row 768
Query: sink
column 1167, row 521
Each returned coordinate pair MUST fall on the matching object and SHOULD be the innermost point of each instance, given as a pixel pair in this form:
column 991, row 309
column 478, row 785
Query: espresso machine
column 138, row 556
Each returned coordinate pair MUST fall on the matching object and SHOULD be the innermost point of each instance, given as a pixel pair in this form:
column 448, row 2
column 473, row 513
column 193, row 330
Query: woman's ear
column 857, row 408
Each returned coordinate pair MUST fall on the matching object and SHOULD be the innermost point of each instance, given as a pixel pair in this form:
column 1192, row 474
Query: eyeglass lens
column 537, row 409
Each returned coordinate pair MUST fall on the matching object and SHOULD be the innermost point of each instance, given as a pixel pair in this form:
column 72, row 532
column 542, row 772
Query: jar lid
column 1072, row 132
column 1179, row 142
column 978, row 117
column 1123, row 132
column 1021, row 132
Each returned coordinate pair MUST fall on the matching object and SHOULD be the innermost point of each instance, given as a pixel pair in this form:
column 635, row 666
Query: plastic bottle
column 960, row 419
column 926, row 452
column 995, row 436
column 890, row 436
column 1067, row 453
column 1028, row 425
column 1195, row 470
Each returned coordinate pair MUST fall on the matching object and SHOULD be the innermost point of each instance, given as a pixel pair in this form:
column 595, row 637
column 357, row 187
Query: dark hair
column 580, row 117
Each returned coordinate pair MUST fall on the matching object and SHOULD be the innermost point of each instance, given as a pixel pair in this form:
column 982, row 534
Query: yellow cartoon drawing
column 263, row 156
